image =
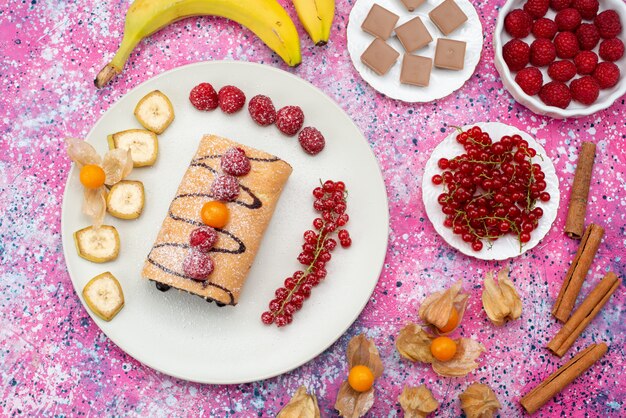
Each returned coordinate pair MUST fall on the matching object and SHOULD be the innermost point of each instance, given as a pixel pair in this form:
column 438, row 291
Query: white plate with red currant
column 490, row 191
column 181, row 334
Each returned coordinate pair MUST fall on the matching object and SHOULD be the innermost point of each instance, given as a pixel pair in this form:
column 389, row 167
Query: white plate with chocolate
column 179, row 333
column 419, row 55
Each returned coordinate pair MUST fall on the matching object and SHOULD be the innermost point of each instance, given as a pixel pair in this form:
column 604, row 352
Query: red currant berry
column 345, row 243
column 281, row 320
column 318, row 192
column 477, row 245
column 267, row 318
column 437, row 179
column 318, row 223
column 330, row 244
column 281, row 293
column 274, row 305
column 290, row 283
column 544, row 196
column 524, row 237
column 329, row 186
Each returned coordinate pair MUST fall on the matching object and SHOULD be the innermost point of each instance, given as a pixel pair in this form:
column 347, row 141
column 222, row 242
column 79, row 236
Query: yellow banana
column 317, row 18
column 266, row 18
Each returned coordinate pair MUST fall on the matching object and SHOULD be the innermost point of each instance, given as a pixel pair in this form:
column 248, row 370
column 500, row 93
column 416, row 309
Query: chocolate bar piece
column 416, row 70
column 412, row 4
column 380, row 22
column 450, row 54
column 379, row 56
column 413, row 35
column 448, row 16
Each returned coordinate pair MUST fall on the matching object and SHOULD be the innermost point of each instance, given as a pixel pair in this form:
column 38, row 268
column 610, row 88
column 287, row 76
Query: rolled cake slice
column 238, row 242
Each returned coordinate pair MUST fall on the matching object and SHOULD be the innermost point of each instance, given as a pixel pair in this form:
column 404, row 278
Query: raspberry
column 606, row 74
column 231, row 99
column 225, row 188
column 311, row 140
column 586, row 62
column 530, row 80
column 542, row 52
column 262, row 110
column 537, row 8
column 235, row 162
column 517, row 23
column 203, row 97
column 566, row 45
column 198, row 265
column 562, row 71
column 555, row 94
column 611, row 49
column 516, row 54
column 608, row 24
column 544, row 28
column 587, row 8
column 585, row 90
column 560, row 4
column 290, row 120
column 568, row 19
column 203, row 238
column 588, row 36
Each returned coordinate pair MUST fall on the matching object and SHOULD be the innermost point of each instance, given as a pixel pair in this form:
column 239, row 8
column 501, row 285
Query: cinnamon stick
column 575, row 223
column 577, row 272
column 558, row 380
column 579, row 320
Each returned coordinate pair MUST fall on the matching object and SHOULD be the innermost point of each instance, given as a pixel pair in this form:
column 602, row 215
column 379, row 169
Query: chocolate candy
column 450, row 54
column 413, row 35
column 380, row 22
column 448, row 16
column 379, row 56
column 416, row 70
column 412, row 4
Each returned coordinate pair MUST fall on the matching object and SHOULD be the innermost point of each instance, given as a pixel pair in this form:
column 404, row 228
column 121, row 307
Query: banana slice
column 143, row 144
column 103, row 294
column 125, row 199
column 155, row 112
column 97, row 245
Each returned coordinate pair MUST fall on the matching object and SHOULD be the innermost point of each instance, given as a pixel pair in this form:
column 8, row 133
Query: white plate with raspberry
column 508, row 245
column 579, row 87
column 184, row 336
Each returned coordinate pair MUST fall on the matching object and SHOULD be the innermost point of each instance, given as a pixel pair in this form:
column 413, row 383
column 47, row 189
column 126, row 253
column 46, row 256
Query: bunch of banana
column 266, row 18
column 317, row 18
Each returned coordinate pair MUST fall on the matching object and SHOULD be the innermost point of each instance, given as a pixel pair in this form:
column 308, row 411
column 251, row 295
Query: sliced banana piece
column 103, row 294
column 125, row 199
column 97, row 245
column 155, row 112
column 143, row 145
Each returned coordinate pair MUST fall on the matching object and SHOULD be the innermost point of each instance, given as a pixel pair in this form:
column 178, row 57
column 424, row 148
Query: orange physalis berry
column 92, row 176
column 215, row 214
column 443, row 348
column 361, row 378
column 453, row 320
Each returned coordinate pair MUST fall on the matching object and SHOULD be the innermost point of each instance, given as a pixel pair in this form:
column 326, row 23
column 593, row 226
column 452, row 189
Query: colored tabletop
column 54, row 361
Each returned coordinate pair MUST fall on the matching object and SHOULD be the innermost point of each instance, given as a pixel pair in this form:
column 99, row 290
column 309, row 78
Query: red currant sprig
column 330, row 201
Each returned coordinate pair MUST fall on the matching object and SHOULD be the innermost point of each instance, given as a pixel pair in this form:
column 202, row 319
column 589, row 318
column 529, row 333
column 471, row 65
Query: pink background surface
column 54, row 360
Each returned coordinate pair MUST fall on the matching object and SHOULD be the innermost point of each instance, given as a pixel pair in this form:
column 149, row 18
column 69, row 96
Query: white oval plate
column 442, row 82
column 507, row 246
column 181, row 334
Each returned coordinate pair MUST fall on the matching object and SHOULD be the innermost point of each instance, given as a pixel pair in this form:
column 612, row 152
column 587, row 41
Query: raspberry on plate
column 585, row 90
column 530, row 80
column 235, row 162
column 588, row 36
column 608, row 24
column 542, row 52
column 560, row 4
column 611, row 49
column 566, row 45
column 562, row 71
column 516, row 54
column 606, row 74
column 568, row 19
column 544, row 28
column 290, row 120
column 555, row 94
column 537, row 8
column 311, row 140
column 203, row 97
column 587, row 8
column 231, row 99
column 518, row 23
column 262, row 110
column 586, row 62
column 225, row 188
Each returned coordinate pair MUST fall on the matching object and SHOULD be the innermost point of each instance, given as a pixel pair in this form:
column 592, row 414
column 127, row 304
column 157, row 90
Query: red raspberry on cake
column 235, row 162
column 311, row 140
column 566, row 45
column 588, row 36
column 562, row 71
column 518, row 23
column 555, row 94
column 611, row 49
column 544, row 28
column 516, row 54
column 530, row 80
column 537, row 8
column 231, row 99
column 290, row 120
column 568, row 19
column 557, row 5
column 542, row 52
column 608, row 24
column 606, row 74
column 586, row 62
column 262, row 110
column 203, row 238
column 225, row 188
column 203, row 97
column 587, row 8
column 585, row 90
column 198, row 265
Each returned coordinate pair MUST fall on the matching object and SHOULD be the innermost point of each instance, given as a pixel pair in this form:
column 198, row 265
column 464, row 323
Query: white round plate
column 507, row 246
column 442, row 82
column 181, row 334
